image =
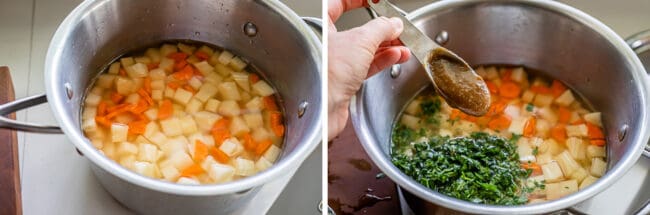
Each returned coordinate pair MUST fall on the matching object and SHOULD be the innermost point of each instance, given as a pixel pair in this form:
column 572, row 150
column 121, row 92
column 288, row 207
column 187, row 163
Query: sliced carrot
column 193, row 170
column 276, row 123
column 173, row 85
column 140, row 107
column 500, row 122
column 578, row 122
column 101, row 108
column 564, row 115
column 200, row 151
column 179, row 65
column 599, row 142
column 262, row 147
column 184, row 74
column 177, row 56
column 530, row 127
column 537, row 170
column 103, row 121
column 197, row 72
column 249, row 143
column 269, row 103
column 138, row 127
column 540, row 89
column 492, row 87
column 166, row 109
column 116, row 98
column 146, row 85
column 496, row 108
column 145, row 96
column 594, row 131
column 189, row 88
column 559, row 133
column 122, row 72
column 557, row 88
column 509, row 90
column 152, row 66
column 455, row 114
column 507, row 75
column 219, row 155
column 117, row 110
column 201, row 55
column 220, row 131
column 253, row 78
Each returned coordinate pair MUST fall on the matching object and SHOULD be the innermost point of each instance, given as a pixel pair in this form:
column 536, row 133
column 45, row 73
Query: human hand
column 355, row 55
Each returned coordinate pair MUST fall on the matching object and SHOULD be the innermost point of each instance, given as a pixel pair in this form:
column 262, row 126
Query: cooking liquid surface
column 458, row 83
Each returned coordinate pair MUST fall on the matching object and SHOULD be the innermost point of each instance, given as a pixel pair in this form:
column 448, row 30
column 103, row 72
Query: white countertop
column 55, row 179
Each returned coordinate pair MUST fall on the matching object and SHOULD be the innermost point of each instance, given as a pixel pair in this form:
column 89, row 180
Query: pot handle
column 315, row 23
column 640, row 43
column 20, row 104
column 374, row 15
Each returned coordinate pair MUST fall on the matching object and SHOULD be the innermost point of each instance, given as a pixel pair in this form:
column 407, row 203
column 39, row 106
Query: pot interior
column 563, row 47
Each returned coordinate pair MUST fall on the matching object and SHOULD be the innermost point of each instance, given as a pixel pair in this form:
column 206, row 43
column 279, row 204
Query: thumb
column 378, row 30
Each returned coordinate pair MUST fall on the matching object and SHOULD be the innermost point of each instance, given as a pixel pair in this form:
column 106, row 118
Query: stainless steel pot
column 277, row 41
column 562, row 41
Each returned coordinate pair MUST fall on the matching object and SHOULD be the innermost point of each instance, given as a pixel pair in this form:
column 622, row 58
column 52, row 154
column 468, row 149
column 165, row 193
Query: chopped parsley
column 529, row 107
column 535, row 150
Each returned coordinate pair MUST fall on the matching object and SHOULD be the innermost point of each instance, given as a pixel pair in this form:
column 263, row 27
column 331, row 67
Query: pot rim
column 370, row 143
column 281, row 167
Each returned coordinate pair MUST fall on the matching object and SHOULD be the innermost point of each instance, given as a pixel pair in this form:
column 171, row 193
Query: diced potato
column 138, row 70
column 244, row 167
column 229, row 91
column 188, row 181
column 193, row 106
column 119, row 132
column 92, row 99
column 223, row 70
column 188, row 124
column 491, row 73
column 151, row 114
column 204, row 67
column 171, row 127
column 167, row 49
column 594, row 118
column 132, row 98
column 413, row 107
column 254, row 120
column 157, row 138
column 205, row 120
column 552, row 172
column 543, row 100
column 88, row 113
column 577, row 130
column 114, row 69
column 127, row 61
column 595, row 151
column 231, row 147
column 544, row 158
column 598, row 167
column 567, row 163
column 565, row 99
column 262, row 88
column 124, row 86
column 206, row 92
column 141, row 140
column 177, row 144
column 517, row 125
column 195, row 83
column 411, row 122
column 144, row 168
column 153, row 54
column 212, row 105
column 182, row 96
column 237, row 64
column 579, row 175
column 207, row 50
column 89, row 125
column 561, row 189
column 126, row 148
column 157, row 95
column 272, row 153
column 554, row 147
column 587, row 181
column 260, row 134
column 166, row 64
column 148, row 152
column 229, row 108
column 548, row 114
column 577, row 147
column 528, row 96
column 127, row 161
column 262, row 164
column 212, row 78
column 157, row 74
column 255, row 104
column 187, row 49
column 525, row 152
column 542, row 128
column 221, row 173
column 226, row 57
column 180, row 160
column 518, row 75
column 512, row 111
column 106, row 80
column 170, row 173
column 238, row 126
column 241, row 79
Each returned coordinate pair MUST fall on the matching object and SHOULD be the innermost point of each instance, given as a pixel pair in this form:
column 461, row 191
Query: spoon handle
column 419, row 43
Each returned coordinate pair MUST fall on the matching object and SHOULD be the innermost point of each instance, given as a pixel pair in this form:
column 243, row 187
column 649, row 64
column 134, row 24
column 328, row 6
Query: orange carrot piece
column 173, row 85
column 540, row 89
column 537, row 170
column 559, row 133
column 201, row 55
column 276, row 123
column 152, row 66
column 116, row 98
column 455, row 114
column 594, row 131
column 147, row 85
column 193, row 170
column 253, row 78
column 530, row 127
column 184, row 74
column 507, row 75
column 564, row 115
column 269, row 103
column 138, row 127
column 117, row 110
column 122, row 72
column 578, row 122
column 219, row 155
column 200, row 151
column 179, row 65
column 509, row 90
column 557, row 88
column 220, row 131
column 262, row 147
column 166, row 109
column 177, row 56
column 496, row 108
column 103, row 121
column 140, row 107
column 189, row 88
column 492, row 87
column 145, row 96
column 598, row 142
column 500, row 122
column 101, row 108
column 249, row 143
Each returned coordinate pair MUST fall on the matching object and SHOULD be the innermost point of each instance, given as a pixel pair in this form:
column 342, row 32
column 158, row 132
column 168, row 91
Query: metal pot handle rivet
column 302, row 107
column 250, row 29
column 395, row 71
column 442, row 38
column 20, row 104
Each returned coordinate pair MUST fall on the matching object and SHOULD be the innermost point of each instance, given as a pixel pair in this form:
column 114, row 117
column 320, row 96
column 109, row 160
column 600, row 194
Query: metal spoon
column 452, row 77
